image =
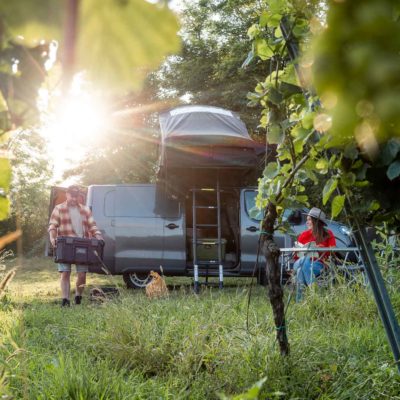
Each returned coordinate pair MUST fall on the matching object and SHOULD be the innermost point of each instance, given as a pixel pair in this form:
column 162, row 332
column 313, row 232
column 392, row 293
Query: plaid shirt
column 60, row 221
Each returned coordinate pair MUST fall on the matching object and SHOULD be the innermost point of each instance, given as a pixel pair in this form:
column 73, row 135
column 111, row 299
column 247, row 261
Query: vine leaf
column 337, row 205
column 394, row 170
column 329, row 187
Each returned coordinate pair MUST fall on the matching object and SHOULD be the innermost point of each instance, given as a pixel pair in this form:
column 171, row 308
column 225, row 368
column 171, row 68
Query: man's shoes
column 65, row 303
column 78, row 299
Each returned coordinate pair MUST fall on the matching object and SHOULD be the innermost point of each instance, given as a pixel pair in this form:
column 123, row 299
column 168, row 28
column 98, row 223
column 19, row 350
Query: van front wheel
column 135, row 280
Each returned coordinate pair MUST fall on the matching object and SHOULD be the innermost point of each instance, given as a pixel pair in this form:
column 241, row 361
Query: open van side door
column 58, row 195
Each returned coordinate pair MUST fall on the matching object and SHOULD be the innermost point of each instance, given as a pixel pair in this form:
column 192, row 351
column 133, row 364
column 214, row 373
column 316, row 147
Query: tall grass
column 194, row 347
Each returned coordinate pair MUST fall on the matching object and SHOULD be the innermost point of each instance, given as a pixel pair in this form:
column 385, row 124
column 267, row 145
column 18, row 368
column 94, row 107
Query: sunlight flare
column 72, row 124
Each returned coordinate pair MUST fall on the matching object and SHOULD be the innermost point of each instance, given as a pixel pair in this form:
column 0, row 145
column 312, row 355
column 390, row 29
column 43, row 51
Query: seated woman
column 317, row 235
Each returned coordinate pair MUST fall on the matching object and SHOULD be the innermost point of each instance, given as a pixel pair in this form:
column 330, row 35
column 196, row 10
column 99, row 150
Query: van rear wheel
column 137, row 280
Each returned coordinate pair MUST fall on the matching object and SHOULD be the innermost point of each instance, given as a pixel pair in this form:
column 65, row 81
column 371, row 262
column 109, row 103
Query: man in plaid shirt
column 72, row 219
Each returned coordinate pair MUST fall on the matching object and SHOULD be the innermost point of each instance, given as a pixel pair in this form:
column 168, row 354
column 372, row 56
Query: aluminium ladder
column 215, row 225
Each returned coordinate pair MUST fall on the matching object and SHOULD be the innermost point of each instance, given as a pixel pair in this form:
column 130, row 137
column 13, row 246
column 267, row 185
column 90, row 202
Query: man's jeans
column 306, row 272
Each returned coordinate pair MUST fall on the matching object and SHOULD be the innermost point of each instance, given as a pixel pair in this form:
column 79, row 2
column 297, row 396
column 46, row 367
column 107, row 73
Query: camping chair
column 343, row 262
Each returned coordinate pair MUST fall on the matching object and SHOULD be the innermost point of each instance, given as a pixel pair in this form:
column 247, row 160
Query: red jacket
column 307, row 237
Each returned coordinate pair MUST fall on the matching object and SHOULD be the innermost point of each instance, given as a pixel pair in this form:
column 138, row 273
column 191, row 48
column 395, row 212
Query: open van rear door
column 58, row 195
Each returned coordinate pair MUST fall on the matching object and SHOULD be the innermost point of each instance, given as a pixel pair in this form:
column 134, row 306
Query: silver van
column 144, row 229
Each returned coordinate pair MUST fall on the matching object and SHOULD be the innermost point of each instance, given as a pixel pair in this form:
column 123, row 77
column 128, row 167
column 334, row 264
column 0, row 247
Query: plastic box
column 207, row 249
column 76, row 250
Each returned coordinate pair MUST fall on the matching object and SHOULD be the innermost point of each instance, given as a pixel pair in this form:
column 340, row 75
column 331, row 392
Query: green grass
column 187, row 346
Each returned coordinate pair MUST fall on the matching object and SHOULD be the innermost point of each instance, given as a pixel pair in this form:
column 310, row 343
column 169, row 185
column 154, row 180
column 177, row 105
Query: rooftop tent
column 201, row 145
column 206, row 137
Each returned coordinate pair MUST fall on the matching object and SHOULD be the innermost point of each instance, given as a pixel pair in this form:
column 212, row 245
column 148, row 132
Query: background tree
column 29, row 191
column 214, row 47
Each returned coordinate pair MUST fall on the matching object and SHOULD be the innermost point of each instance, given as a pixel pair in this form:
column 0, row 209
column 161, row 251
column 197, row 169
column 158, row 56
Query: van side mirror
column 295, row 217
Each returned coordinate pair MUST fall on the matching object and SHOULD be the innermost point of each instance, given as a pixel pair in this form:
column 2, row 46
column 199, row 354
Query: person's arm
column 93, row 229
column 304, row 237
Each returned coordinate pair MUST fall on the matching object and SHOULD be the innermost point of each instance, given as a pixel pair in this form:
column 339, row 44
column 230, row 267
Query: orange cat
column 157, row 287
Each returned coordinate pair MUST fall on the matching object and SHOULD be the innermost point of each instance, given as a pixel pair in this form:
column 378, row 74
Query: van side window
column 141, row 201
column 250, row 203
column 135, row 202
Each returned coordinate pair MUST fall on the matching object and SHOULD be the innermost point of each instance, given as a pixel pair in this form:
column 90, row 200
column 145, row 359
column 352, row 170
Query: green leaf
column 298, row 146
column 329, row 187
column 337, row 205
column 301, row 28
column 302, row 199
column 287, row 89
column 310, row 174
column 300, row 133
column 274, row 20
column 351, row 151
column 274, row 96
column 253, row 31
column 4, row 208
column 271, row 170
column 322, row 164
column 308, row 120
column 119, row 40
column 264, row 18
column 394, row 170
column 362, row 183
column 275, row 134
column 34, row 20
column 252, row 393
column 278, row 32
column 262, row 49
column 348, row 179
column 5, row 174
column 374, row 205
column 390, row 151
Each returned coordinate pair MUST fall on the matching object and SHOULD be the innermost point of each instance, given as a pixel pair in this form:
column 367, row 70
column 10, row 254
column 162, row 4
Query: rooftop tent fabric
column 204, row 136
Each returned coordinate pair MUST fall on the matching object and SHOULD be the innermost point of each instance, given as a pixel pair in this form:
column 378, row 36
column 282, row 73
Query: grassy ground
column 187, row 346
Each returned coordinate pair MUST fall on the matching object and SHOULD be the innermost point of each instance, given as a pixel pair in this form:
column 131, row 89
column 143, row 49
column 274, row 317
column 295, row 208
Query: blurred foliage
column 118, row 41
column 357, row 74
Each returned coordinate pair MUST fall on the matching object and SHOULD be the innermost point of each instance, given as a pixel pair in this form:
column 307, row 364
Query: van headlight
column 345, row 230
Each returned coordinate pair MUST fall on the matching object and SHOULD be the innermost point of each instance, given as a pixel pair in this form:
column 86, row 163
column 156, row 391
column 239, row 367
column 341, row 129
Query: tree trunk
column 275, row 292
column 70, row 38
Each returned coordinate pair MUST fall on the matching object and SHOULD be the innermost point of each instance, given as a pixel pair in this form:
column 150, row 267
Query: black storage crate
column 76, row 250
